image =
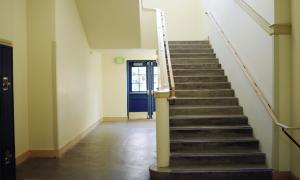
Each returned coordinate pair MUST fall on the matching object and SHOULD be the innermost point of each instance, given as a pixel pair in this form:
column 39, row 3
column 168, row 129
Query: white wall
column 13, row 20
column 254, row 45
column 115, row 82
column 78, row 73
column 185, row 20
column 264, row 7
column 256, row 50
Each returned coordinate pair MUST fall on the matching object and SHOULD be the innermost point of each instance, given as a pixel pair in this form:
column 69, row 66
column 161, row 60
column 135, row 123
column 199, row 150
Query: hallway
column 113, row 151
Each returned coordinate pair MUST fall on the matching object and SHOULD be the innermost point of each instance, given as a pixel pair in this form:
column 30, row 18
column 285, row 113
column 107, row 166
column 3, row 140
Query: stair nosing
column 214, row 140
column 202, row 106
column 209, row 116
column 200, row 69
column 188, row 154
column 212, row 127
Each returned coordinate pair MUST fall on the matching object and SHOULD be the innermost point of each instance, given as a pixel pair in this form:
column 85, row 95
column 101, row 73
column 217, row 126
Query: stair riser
column 188, row 42
column 190, row 55
column 188, row 46
column 197, row 66
column 216, row 160
column 200, row 60
column 203, row 86
column 206, row 111
column 211, row 102
column 197, row 72
column 200, row 79
column 181, row 134
column 208, row 121
column 211, row 93
column 219, row 176
column 198, row 50
column 214, row 147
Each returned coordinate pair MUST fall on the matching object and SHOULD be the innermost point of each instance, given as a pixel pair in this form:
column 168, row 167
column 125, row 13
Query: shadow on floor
column 113, row 151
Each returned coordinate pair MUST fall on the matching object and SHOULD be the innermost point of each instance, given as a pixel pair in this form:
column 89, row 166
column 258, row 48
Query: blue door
column 142, row 81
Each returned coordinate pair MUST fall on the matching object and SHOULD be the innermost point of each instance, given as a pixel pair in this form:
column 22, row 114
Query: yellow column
column 162, row 128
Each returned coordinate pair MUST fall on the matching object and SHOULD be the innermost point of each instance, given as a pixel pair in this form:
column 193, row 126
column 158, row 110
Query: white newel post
column 162, row 128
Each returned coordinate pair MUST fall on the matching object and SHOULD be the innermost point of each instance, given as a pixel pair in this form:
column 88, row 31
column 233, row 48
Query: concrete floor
column 113, row 151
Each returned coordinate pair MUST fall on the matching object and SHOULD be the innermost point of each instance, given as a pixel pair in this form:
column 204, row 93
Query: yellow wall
column 283, row 96
column 13, row 27
column 41, row 81
column 78, row 75
column 295, row 165
column 115, row 82
column 111, row 23
column 185, row 20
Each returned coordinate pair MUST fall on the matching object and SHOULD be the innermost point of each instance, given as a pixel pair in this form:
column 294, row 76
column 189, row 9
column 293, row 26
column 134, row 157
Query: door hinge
column 5, row 84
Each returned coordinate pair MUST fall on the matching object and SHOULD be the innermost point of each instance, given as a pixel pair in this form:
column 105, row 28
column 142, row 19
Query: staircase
column 210, row 137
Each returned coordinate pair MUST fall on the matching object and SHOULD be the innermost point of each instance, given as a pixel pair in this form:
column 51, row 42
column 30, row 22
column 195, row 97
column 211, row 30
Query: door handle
column 152, row 92
column 5, row 84
column 8, row 158
column 148, row 92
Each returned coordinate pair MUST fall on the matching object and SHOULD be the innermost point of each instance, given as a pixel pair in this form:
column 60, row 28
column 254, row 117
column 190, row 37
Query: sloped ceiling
column 111, row 24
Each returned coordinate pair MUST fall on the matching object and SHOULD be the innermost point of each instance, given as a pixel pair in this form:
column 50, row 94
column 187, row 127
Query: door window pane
column 135, row 87
column 155, row 80
column 143, row 87
column 139, row 79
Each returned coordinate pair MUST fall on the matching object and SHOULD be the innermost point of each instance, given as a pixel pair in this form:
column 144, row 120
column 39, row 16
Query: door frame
column 127, row 82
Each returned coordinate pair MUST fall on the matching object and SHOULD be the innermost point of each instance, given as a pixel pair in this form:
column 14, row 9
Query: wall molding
column 114, row 119
column 271, row 29
column 6, row 42
column 59, row 152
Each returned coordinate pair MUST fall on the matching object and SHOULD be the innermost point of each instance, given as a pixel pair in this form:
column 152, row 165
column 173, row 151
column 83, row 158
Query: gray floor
column 113, row 151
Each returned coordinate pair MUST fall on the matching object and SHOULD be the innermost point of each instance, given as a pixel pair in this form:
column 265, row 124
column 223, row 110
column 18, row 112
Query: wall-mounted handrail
column 271, row 29
column 253, row 83
column 249, row 76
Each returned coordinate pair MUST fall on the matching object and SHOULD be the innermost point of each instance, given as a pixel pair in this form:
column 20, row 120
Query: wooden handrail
column 170, row 69
column 163, row 51
column 250, row 77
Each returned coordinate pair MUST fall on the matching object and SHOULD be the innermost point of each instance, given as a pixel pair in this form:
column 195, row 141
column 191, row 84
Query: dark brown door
column 7, row 140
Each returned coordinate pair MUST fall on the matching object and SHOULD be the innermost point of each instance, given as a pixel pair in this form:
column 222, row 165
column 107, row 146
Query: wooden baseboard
column 35, row 154
column 284, row 175
column 56, row 153
column 114, row 119
column 281, row 175
column 43, row 153
column 22, row 157
column 294, row 177
column 77, row 139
